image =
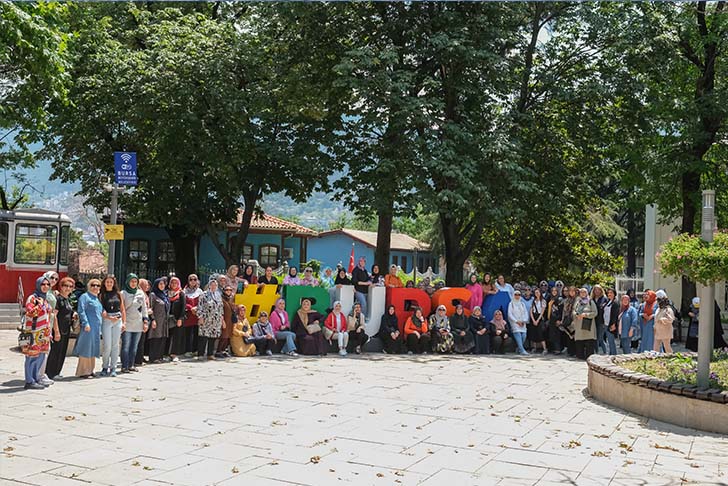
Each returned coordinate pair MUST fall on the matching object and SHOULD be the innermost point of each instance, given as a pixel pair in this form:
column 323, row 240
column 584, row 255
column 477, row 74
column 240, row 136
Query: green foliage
column 77, row 240
column 683, row 369
column 701, row 262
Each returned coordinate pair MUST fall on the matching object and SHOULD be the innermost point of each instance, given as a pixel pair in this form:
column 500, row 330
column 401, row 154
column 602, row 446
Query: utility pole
column 707, row 297
column 112, row 221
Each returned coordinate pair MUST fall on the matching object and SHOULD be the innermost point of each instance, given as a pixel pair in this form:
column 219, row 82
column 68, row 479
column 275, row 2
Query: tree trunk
column 454, row 255
column 185, row 252
column 690, row 185
column 384, row 237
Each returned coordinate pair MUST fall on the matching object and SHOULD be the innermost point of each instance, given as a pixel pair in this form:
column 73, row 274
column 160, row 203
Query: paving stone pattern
column 371, row 420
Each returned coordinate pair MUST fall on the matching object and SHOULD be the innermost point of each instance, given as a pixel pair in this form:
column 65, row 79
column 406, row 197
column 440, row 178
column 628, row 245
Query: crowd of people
column 142, row 322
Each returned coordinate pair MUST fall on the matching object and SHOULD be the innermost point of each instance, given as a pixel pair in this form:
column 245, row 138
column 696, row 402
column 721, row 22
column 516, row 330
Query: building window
column 268, row 255
column 4, row 228
column 165, row 256
column 404, row 263
column 395, row 260
column 247, row 253
column 138, row 257
column 65, row 240
column 36, row 244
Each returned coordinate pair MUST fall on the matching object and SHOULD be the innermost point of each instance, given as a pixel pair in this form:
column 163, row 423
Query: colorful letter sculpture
column 256, row 299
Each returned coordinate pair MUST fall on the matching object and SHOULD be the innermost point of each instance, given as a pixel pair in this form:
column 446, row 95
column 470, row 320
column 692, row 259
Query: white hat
column 661, row 294
column 696, row 301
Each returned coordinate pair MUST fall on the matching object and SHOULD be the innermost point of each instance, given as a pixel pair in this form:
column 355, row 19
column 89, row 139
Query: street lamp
column 707, row 297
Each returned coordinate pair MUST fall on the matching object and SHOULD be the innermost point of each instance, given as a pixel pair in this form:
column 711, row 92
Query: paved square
column 371, row 420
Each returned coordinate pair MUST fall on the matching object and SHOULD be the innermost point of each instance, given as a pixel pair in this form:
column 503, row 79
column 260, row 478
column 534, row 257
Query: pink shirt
column 476, row 299
column 279, row 319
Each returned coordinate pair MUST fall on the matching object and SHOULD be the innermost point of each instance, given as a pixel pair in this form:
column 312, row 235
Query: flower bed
column 682, row 368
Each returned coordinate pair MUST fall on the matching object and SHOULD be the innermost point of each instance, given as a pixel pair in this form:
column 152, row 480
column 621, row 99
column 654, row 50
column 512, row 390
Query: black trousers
column 392, row 346
column 585, row 348
column 191, row 334
column 357, row 339
column 498, row 342
column 57, row 356
column 176, row 343
column 157, row 347
column 482, row 343
column 418, row 346
column 142, row 349
column 262, row 345
column 205, row 346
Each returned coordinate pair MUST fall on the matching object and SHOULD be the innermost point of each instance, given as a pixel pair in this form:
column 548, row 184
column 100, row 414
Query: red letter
column 446, row 296
column 403, row 299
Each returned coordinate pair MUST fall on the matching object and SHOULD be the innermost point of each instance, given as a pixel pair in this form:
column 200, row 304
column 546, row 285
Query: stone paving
column 371, row 420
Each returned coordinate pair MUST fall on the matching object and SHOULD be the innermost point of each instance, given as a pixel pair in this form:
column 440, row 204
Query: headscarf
column 302, row 314
column 375, row 276
column 632, row 295
column 649, row 304
column 333, row 307
column 214, row 295
column 441, row 320
column 195, row 291
column 50, row 296
column 129, row 278
column 161, row 294
column 229, row 272
column 342, row 280
column 38, row 289
column 291, row 270
column 248, row 278
column 174, row 293
column 583, row 300
column 50, row 274
column 500, row 324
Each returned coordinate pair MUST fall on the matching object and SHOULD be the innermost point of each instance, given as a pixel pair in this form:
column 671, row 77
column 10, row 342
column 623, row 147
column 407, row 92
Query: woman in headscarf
column 389, row 332
column 585, row 328
column 159, row 332
column 597, row 295
column 647, row 321
column 611, row 306
column 51, row 299
column 463, row 340
column 88, row 342
column 137, row 321
column 263, row 335
column 417, row 335
column 112, row 325
column 439, row 326
column 282, row 328
column 633, row 300
column 501, row 333
column 664, row 317
column 376, row 277
column 476, row 292
column 307, row 326
column 554, row 310
column 241, row 338
column 177, row 306
column 567, row 319
column 628, row 325
column 64, row 321
column 193, row 292
column 143, row 347
column 342, row 278
column 691, row 341
column 292, row 277
column 336, row 323
column 38, row 324
column 249, row 277
column 537, row 324
column 481, row 330
column 210, row 313
column 308, row 278
column 518, row 317
column 233, row 279
column 229, row 311
column 357, row 329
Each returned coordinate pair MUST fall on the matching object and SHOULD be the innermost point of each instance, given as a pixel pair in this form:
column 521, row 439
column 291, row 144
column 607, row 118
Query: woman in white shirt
column 518, row 317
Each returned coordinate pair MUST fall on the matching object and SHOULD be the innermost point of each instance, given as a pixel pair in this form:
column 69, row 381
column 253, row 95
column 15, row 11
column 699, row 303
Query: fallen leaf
column 669, row 448
column 380, row 475
column 398, row 473
column 136, row 399
column 147, row 468
column 235, row 470
column 600, row 454
column 525, row 444
column 626, row 446
column 136, row 464
column 602, row 436
column 68, row 418
column 9, row 449
column 571, row 444
column 315, row 459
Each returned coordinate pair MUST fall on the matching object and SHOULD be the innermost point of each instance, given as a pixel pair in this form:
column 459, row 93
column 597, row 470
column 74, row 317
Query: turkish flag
column 351, row 260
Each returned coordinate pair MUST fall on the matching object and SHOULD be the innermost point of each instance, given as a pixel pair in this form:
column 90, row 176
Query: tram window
column 138, row 257
column 3, row 242
column 65, row 239
column 35, row 244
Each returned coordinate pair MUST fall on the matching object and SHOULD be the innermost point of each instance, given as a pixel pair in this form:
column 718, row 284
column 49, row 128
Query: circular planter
column 675, row 403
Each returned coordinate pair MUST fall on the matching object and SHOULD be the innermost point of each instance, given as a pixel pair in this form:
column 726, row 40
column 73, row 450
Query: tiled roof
column 266, row 222
column 399, row 241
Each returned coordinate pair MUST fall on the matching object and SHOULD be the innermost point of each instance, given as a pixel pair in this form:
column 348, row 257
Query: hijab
column 293, row 272
column 499, row 324
column 174, row 294
column 389, row 318
column 38, row 287
column 342, row 280
column 583, row 300
column 375, row 276
column 215, row 295
column 303, row 315
column 441, row 320
column 161, row 294
column 127, row 288
column 193, row 292
column 650, row 305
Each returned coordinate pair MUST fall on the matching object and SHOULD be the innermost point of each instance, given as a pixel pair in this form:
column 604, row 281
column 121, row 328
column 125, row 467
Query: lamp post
column 707, row 297
column 114, row 189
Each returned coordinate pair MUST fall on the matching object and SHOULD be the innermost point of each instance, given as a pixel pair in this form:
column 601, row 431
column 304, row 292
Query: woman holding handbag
column 336, row 328
column 307, row 326
column 585, row 329
column 35, row 341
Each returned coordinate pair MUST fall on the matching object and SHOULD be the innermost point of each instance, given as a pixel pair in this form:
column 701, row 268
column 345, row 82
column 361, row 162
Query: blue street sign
column 125, row 168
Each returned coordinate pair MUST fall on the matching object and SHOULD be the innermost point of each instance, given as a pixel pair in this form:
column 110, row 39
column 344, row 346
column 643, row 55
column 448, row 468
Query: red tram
column 32, row 241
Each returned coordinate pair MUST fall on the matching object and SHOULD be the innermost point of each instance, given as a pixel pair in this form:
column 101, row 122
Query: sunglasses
column 44, row 284
column 309, row 271
column 95, row 285
column 53, row 278
column 69, row 286
column 193, row 278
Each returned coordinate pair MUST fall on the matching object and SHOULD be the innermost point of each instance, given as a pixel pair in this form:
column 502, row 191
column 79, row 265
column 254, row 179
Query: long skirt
column 536, row 334
column 391, row 346
column 176, row 341
column 312, row 344
column 57, row 356
column 418, row 345
column 585, row 348
column 555, row 338
column 357, row 339
column 85, row 366
column 191, row 333
column 156, row 348
column 442, row 343
column 463, row 344
column 482, row 343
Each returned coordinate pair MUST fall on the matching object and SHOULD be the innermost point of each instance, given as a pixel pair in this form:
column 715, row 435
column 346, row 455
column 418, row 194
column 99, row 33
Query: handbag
column 327, row 333
column 586, row 324
column 313, row 328
column 25, row 339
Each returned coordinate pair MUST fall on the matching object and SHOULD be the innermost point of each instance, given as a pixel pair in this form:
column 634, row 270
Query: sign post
column 125, row 174
column 707, row 297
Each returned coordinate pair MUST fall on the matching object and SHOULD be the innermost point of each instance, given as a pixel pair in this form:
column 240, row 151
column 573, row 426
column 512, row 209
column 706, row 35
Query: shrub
column 689, row 256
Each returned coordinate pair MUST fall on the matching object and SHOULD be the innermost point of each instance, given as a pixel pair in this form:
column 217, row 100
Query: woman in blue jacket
column 629, row 326
column 88, row 343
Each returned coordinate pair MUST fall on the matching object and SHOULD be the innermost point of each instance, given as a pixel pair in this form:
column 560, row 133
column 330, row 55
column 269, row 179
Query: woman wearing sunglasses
column 37, row 325
column 88, row 343
column 62, row 329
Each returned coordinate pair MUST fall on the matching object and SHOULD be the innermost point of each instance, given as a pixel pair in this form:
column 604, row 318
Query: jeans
column 648, row 336
column 601, row 343
column 612, row 344
column 111, row 333
column 129, row 345
column 519, row 337
column 32, row 367
column 290, row 339
column 626, row 344
column 361, row 297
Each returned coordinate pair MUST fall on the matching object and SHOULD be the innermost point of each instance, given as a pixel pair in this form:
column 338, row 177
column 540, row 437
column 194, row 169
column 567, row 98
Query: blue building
column 334, row 247
column 148, row 251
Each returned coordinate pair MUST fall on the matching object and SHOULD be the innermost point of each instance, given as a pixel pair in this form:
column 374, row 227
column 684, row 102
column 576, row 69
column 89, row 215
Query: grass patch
column 683, row 369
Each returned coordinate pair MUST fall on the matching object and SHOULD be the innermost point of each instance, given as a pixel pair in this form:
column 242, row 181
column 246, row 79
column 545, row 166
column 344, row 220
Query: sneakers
column 545, row 352
column 269, row 353
column 175, row 359
column 133, row 369
column 104, row 372
column 358, row 350
column 45, row 381
column 342, row 352
column 34, row 386
column 292, row 353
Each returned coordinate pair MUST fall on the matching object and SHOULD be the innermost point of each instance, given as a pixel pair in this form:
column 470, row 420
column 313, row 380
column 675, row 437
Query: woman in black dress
column 389, row 332
column 553, row 317
column 64, row 319
column 305, row 322
column 482, row 331
column 461, row 334
column 537, row 326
